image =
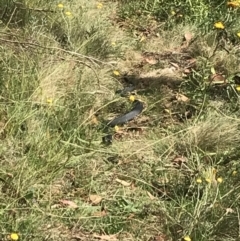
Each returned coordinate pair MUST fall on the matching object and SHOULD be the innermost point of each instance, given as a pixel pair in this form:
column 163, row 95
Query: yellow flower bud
column 220, row 180
column 14, row 236
column 187, row 238
column 234, row 173
column 208, row 180
column 60, row 5
column 115, row 72
column 199, row 180
column 131, row 98
column 68, row 13
column 219, row 25
column 116, row 128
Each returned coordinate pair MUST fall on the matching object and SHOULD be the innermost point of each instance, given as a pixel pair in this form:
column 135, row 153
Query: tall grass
column 169, row 179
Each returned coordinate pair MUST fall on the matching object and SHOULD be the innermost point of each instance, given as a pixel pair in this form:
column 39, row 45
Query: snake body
column 135, row 111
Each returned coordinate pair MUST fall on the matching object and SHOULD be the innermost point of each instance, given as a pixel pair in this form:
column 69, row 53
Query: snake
column 123, row 119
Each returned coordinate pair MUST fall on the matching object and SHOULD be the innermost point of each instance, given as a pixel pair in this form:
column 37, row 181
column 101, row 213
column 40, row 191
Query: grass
column 171, row 174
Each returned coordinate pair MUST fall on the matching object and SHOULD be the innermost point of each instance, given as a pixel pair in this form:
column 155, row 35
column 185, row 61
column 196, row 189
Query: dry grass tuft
column 213, row 134
column 169, row 41
column 52, row 75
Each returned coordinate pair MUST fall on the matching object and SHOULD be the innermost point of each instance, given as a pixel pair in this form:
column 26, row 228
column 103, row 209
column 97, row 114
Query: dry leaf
column 151, row 60
column 217, row 79
column 174, row 65
column 131, row 216
column 182, row 98
column 187, row 71
column 151, row 196
column 159, row 238
column 233, row 4
column 54, row 206
column 100, row 214
column 124, row 183
column 95, row 199
column 229, row 210
column 188, row 36
column 79, row 236
column 94, row 120
column 133, row 187
column 179, row 160
column 192, row 61
column 69, row 203
column 106, row 237
column 9, row 174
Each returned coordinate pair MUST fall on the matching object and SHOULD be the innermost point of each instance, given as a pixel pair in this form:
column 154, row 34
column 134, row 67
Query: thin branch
column 10, row 19
column 89, row 66
column 38, row 10
column 91, row 59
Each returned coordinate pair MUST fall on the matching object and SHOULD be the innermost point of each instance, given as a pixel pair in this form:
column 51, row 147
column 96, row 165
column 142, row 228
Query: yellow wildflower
column 238, row 88
column 208, row 180
column 219, row 25
column 187, row 238
column 233, row 4
column 99, row 5
column 220, row 180
column 116, row 128
column 234, row 173
column 14, row 236
column 199, row 180
column 68, row 13
column 50, row 101
column 60, row 5
column 238, row 34
column 173, row 12
column 113, row 44
column 115, row 72
column 131, row 98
